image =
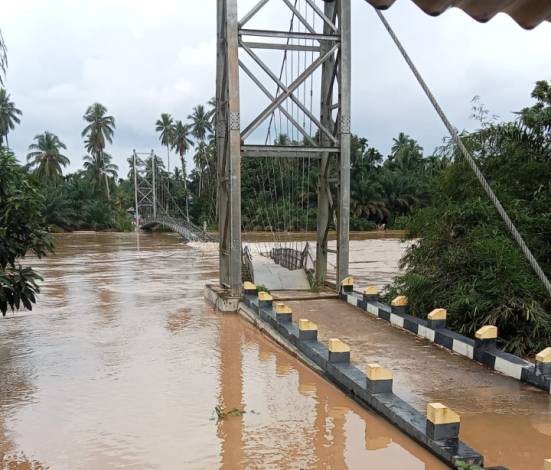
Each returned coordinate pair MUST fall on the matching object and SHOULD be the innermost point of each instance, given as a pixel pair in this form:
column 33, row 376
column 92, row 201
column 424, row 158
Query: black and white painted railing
column 482, row 348
column 438, row 430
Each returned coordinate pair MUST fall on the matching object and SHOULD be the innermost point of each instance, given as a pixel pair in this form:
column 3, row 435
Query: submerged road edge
column 335, row 367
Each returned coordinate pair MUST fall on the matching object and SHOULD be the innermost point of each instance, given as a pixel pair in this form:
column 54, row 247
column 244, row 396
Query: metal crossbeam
column 252, row 12
column 280, row 46
column 289, row 35
column 286, row 93
column 286, row 151
column 301, row 18
column 259, row 84
column 288, row 90
column 322, row 15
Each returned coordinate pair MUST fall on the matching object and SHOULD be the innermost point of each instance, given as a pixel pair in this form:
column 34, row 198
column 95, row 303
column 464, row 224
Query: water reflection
column 122, row 364
column 294, row 419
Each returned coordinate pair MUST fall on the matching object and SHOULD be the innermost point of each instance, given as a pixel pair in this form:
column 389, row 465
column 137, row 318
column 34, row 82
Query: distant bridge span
column 154, row 204
column 184, row 228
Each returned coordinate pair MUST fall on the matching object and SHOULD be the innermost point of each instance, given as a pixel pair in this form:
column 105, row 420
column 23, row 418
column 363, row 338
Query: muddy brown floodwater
column 121, row 364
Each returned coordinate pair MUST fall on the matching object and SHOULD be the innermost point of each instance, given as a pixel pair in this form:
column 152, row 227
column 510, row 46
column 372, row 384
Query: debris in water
column 224, row 413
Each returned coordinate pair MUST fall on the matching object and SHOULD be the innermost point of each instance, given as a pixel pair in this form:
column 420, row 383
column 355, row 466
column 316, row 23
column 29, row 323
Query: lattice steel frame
column 145, row 191
column 332, row 147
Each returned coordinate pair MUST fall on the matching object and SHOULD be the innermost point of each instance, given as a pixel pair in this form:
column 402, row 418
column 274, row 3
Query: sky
column 142, row 58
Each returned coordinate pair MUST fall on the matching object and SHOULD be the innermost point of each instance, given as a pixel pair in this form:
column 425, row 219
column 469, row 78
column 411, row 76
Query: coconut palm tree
column 406, row 153
column 9, row 116
column 165, row 127
column 98, row 132
column 3, row 59
column 99, row 169
column 212, row 113
column 181, row 144
column 201, row 160
column 45, row 157
column 200, row 122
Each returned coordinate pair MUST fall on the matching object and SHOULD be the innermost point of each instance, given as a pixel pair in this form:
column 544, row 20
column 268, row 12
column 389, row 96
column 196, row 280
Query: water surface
column 122, row 363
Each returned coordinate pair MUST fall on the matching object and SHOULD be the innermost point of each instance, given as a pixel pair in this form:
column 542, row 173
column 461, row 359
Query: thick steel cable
column 470, row 160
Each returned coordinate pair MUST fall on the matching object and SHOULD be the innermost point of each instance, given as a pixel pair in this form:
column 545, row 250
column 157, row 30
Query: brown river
column 122, row 363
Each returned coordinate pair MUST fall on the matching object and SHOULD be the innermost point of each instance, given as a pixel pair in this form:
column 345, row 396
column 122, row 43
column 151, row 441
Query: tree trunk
column 168, row 183
column 106, row 178
column 185, row 184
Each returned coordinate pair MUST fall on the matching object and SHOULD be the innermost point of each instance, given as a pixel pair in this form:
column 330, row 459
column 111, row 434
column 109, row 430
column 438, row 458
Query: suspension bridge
column 154, row 202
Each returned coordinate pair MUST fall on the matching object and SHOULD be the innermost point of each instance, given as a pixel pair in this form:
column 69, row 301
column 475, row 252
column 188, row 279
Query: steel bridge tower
column 329, row 41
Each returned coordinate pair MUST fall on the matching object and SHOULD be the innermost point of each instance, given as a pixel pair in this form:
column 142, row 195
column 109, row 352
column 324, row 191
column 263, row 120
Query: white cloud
column 141, row 58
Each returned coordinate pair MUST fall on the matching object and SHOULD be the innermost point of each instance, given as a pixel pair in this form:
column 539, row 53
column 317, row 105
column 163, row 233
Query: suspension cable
column 470, row 160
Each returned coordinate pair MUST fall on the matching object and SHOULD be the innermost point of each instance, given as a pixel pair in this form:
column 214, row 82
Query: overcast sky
column 141, row 58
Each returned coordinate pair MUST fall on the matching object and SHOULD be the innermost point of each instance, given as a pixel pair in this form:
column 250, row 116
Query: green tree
column 99, row 169
column 181, row 144
column 406, row 154
column 98, row 132
column 401, row 193
column 211, row 113
column 201, row 127
column 22, row 230
column 200, row 122
column 165, row 128
column 58, row 208
column 465, row 259
column 45, row 157
column 9, row 116
column 3, row 59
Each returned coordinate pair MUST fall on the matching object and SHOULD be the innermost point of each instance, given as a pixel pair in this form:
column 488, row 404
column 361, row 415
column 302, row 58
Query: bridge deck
column 506, row 420
column 276, row 277
column 184, row 228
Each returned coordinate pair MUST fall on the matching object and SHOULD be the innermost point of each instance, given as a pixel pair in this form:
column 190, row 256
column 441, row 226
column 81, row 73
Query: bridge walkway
column 506, row 420
column 184, row 228
column 276, row 277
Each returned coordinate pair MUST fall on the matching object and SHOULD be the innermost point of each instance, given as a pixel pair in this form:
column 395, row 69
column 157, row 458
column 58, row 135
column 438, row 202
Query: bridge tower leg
column 136, row 203
column 335, row 95
column 154, row 172
column 228, row 140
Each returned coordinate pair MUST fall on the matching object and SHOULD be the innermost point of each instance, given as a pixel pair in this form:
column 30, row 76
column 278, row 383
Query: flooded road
column 507, row 421
column 122, row 363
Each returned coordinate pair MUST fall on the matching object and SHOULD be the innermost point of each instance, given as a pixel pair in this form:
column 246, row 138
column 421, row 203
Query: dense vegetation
column 465, row 259
column 22, row 230
column 22, row 225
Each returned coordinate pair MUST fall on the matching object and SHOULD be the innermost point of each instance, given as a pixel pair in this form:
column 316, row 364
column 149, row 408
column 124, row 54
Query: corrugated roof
column 527, row 13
